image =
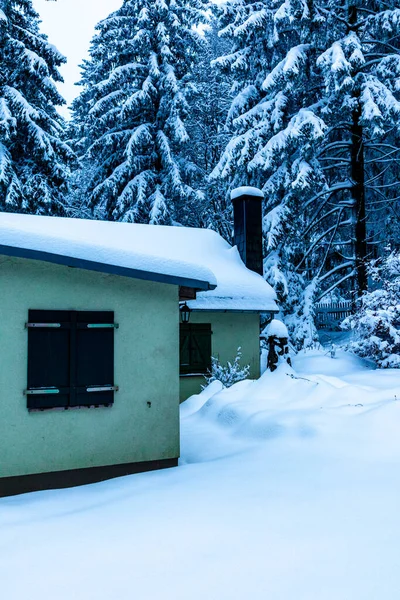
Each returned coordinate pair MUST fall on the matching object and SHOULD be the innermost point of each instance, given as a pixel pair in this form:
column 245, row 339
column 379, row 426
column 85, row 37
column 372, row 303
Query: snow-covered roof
column 197, row 258
column 238, row 288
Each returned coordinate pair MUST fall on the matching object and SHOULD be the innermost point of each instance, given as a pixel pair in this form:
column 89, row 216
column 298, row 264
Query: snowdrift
column 292, row 403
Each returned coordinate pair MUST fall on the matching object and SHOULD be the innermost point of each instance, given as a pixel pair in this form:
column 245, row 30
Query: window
column 195, row 348
column 70, row 359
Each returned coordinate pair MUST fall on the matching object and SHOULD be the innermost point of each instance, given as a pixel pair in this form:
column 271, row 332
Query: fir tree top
column 130, row 116
column 33, row 159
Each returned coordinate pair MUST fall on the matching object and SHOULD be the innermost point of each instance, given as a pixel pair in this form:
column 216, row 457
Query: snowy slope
column 288, row 490
column 199, row 254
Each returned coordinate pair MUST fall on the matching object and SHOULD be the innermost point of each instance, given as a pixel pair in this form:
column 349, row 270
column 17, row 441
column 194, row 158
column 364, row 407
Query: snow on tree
column 276, row 134
column 376, row 324
column 360, row 104
column 130, row 116
column 34, row 161
column 315, row 125
column 208, row 104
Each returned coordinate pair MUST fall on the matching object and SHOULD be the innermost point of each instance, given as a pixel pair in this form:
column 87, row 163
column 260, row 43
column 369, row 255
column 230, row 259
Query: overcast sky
column 69, row 25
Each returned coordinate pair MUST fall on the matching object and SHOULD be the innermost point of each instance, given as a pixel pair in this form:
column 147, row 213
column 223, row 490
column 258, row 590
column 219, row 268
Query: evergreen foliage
column 208, row 105
column 34, row 161
column 300, row 98
column 276, row 136
column 376, row 324
column 315, row 122
column 360, row 69
column 130, row 117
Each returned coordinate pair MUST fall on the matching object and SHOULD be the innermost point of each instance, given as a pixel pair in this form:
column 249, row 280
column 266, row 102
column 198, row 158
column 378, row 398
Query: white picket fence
column 330, row 315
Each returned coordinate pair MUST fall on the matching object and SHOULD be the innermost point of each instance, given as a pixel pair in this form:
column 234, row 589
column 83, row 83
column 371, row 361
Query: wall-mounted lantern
column 185, row 313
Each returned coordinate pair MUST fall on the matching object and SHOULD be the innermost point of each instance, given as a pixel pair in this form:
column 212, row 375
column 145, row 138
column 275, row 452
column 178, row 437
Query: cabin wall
column 230, row 330
column 146, row 371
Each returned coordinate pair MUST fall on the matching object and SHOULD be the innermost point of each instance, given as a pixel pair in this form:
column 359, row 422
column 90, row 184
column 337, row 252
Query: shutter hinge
column 41, row 391
column 51, row 325
column 102, row 326
column 103, row 388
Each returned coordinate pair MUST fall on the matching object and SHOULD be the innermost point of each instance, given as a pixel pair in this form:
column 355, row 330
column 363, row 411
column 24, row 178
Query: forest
column 183, row 100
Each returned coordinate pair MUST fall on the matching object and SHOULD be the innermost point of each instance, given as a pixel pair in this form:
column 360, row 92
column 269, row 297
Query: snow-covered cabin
column 227, row 317
column 89, row 327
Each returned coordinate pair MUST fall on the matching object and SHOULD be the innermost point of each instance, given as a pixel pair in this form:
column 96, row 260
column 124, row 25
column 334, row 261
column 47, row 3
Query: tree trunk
column 357, row 173
column 359, row 212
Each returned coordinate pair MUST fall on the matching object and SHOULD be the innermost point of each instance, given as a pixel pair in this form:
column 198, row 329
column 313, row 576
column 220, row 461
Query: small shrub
column 227, row 374
column 376, row 324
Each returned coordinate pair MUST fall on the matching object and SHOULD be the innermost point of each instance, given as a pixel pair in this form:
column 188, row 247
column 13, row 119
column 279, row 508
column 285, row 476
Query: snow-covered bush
column 301, row 321
column 227, row 374
column 376, row 324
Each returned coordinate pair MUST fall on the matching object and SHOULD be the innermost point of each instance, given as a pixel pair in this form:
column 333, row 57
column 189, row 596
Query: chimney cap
column 246, row 191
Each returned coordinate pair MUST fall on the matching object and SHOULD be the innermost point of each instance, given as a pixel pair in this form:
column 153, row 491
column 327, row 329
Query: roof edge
column 99, row 267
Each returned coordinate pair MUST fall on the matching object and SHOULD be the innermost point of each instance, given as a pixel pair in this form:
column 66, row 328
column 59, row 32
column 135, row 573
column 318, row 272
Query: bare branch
column 346, row 265
column 386, row 185
column 328, row 249
column 336, row 284
column 318, row 240
column 344, row 185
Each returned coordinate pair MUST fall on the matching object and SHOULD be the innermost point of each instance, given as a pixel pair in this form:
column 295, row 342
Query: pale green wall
column 146, row 369
column 230, row 330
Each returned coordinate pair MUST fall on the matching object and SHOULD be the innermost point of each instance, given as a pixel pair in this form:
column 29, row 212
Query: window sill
column 192, row 374
column 65, row 408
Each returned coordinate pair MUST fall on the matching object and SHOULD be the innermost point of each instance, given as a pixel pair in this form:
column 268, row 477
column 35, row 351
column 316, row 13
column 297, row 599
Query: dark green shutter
column 94, row 358
column 49, row 359
column 70, row 358
column 195, row 349
column 184, row 346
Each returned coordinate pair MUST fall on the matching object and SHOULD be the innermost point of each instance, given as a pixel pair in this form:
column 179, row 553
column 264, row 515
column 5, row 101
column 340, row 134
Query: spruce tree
column 209, row 103
column 315, row 125
column 34, row 161
column 276, row 135
column 130, row 115
column 360, row 68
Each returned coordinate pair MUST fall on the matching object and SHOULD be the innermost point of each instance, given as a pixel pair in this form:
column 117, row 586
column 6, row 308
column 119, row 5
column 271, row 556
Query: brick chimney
column 247, row 212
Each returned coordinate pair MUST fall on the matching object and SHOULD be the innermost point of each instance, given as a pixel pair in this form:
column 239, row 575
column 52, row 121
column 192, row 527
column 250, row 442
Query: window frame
column 192, row 331
column 91, row 332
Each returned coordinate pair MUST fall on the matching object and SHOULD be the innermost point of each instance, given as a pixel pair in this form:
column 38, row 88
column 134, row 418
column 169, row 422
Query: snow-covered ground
column 288, row 489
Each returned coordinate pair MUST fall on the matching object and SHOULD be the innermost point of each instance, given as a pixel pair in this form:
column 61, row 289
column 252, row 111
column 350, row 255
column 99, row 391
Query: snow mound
column 194, row 403
column 276, row 329
column 287, row 404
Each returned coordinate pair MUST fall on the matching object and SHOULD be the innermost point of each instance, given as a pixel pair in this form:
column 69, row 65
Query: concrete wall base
column 11, row 486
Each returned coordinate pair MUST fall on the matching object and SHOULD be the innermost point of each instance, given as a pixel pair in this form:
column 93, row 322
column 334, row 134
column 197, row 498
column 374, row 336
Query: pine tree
column 360, row 68
column 208, row 106
column 276, row 135
column 130, row 115
column 315, row 125
column 34, row 161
